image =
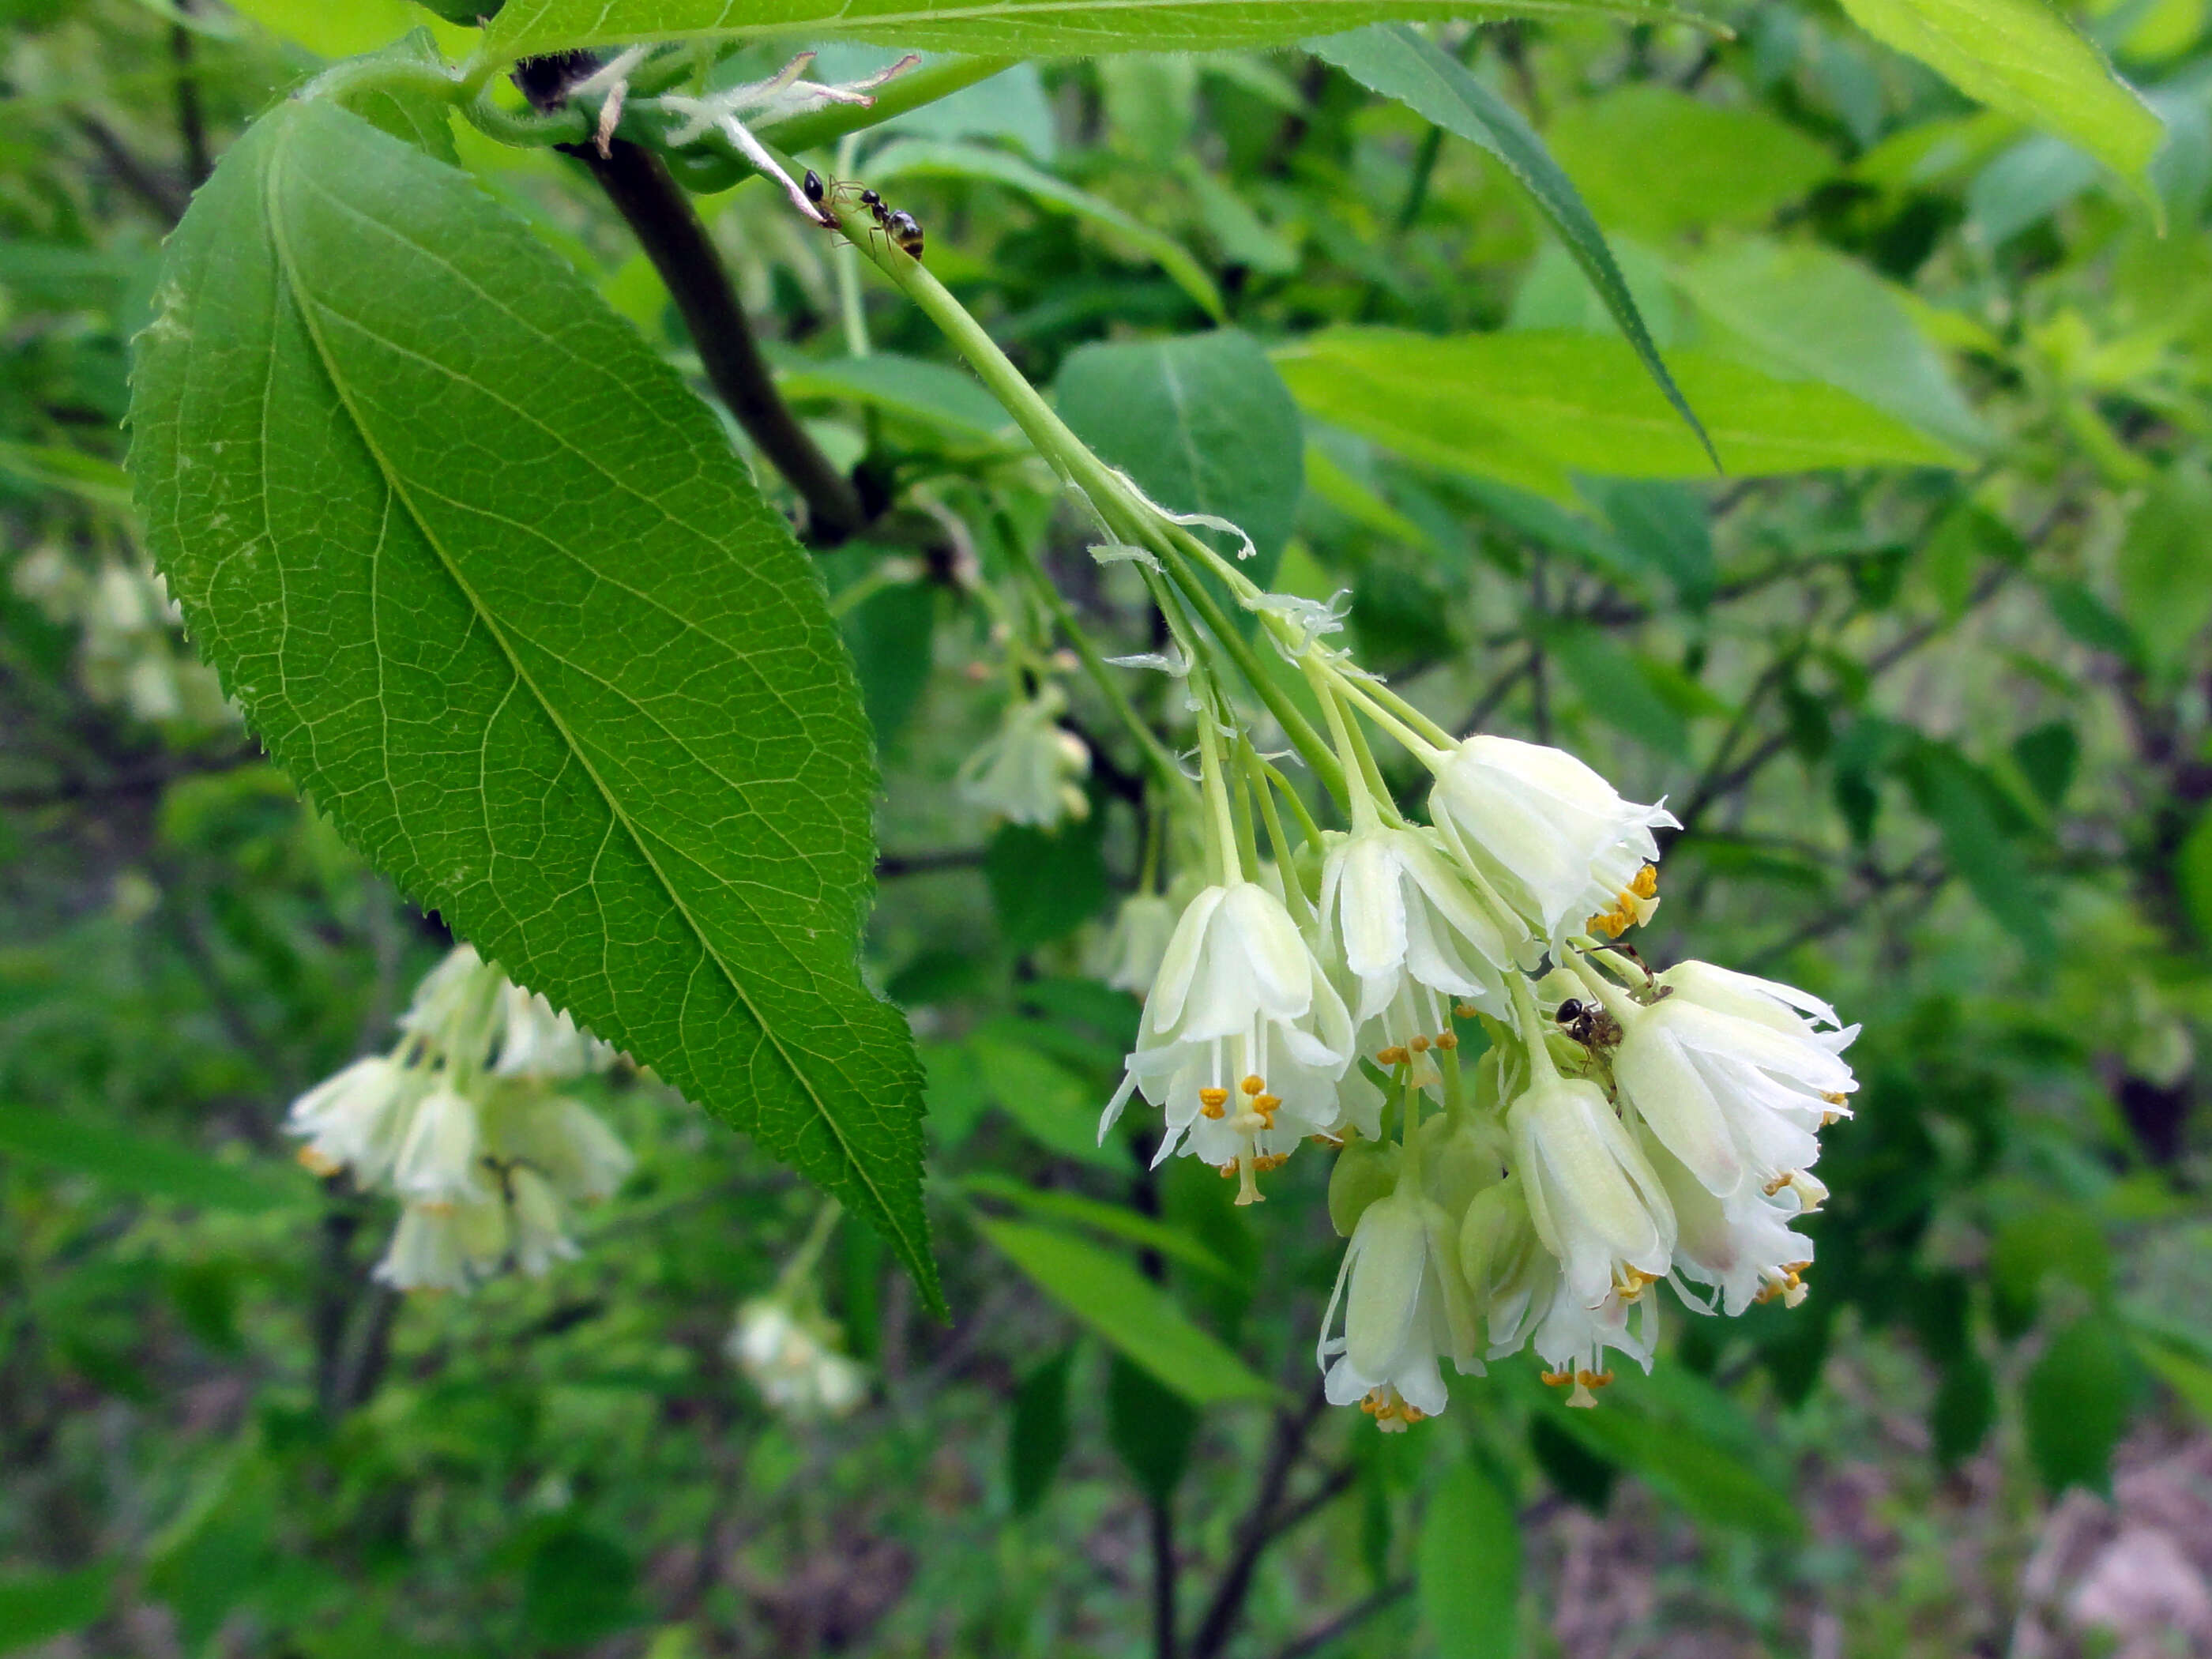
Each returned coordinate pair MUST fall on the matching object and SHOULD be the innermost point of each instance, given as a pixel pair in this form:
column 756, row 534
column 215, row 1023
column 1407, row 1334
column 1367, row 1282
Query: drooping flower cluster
column 464, row 1122
column 132, row 653
column 1620, row 1127
column 1030, row 771
column 787, row 1347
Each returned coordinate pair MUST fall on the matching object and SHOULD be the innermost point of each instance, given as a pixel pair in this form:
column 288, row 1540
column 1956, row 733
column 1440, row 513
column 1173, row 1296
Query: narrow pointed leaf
column 489, row 583
column 1400, row 62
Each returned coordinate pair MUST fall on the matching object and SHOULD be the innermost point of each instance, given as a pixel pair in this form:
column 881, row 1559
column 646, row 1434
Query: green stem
column 1096, row 670
column 1535, row 1034
column 1128, row 520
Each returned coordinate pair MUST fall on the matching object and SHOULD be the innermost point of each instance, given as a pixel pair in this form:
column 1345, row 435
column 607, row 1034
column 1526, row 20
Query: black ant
column 900, row 226
column 1589, row 1023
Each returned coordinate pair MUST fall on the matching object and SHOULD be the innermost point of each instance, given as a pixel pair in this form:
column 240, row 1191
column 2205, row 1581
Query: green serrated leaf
column 1531, row 409
column 1203, row 424
column 1135, row 1315
column 1029, row 28
column 2025, row 59
column 1400, row 63
column 491, row 586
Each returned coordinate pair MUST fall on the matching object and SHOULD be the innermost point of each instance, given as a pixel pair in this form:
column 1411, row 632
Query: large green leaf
column 1131, row 1312
column 1804, row 312
column 1654, row 162
column 1401, row 63
column 1026, row 28
column 1529, row 408
column 2024, row 57
column 1469, row 1567
column 1203, row 424
column 491, row 586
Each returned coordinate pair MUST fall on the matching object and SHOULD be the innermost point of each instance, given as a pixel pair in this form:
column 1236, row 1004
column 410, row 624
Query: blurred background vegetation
column 1937, row 735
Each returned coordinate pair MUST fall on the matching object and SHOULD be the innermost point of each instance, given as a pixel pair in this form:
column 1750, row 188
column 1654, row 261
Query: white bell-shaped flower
column 565, row 1141
column 1738, row 1096
column 538, row 1239
column 1596, row 1204
column 1242, row 1029
column 445, row 1247
column 438, row 1162
column 355, row 1120
column 1128, row 958
column 1573, row 1339
column 1402, row 910
column 1396, row 1326
column 788, row 1355
column 535, row 1039
column 1553, row 839
column 1740, row 1246
column 1029, row 770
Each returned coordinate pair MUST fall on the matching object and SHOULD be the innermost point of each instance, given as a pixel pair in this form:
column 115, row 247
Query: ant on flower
column 900, row 226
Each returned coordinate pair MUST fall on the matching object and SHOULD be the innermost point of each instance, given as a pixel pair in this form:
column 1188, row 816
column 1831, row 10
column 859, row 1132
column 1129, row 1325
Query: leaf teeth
column 494, row 651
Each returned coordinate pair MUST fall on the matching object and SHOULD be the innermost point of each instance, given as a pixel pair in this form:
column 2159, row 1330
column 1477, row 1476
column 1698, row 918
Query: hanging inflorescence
column 464, row 1122
column 1622, row 1127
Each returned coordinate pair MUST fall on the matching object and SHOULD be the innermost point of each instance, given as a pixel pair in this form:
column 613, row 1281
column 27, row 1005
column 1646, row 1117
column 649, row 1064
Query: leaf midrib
column 293, row 289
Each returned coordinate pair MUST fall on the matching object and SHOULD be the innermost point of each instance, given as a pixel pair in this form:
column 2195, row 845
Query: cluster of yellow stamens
column 1827, row 1118
column 1634, row 904
column 1788, row 1285
column 1262, row 1163
column 1632, row 1283
column 1388, row 1411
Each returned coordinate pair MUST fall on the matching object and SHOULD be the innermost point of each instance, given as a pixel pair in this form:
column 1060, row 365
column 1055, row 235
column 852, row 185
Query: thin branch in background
column 1160, row 1525
column 191, row 123
column 1500, row 689
column 1259, row 1526
column 1324, row 1636
column 123, row 165
column 1513, row 47
column 893, row 865
column 660, row 215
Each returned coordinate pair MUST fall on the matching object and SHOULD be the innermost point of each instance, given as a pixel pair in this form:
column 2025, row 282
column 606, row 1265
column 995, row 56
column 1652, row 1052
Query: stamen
column 1253, row 1085
column 1393, row 1056
column 1558, row 1379
column 1330, row 1141
column 1779, row 1183
column 1448, row 1040
column 1646, row 884
column 1211, row 1101
column 1464, row 1009
column 1420, row 1045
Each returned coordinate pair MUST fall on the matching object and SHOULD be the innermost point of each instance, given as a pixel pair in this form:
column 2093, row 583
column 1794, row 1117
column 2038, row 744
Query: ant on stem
column 900, row 226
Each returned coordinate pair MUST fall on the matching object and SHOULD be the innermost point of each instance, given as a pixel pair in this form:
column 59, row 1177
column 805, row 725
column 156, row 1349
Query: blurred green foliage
column 1936, row 730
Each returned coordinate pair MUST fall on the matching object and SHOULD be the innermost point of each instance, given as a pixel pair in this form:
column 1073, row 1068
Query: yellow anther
column 1464, row 1009
column 1448, row 1040
column 1558, row 1379
column 1228, row 1171
column 1211, row 1101
column 1646, row 884
column 1330, row 1141
column 1253, row 1085
column 1828, row 1120
column 1595, row 1379
column 1393, row 1056
column 1420, row 1045
column 1779, row 1183
column 1837, row 1100
column 317, row 1164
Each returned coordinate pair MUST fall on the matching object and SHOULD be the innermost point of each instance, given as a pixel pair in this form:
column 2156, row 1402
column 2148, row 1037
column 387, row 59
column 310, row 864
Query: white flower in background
column 1401, row 912
column 1596, row 1204
column 437, row 1162
column 1551, row 837
column 460, row 1122
column 1029, row 771
column 1730, row 1076
column 356, row 1119
column 1393, row 1291
column 535, row 1039
column 788, row 1353
column 1128, row 958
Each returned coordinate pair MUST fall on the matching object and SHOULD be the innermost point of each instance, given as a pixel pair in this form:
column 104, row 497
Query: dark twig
column 191, row 123
column 659, row 213
column 1259, row 1526
column 1314, row 1641
column 139, row 177
column 892, row 865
